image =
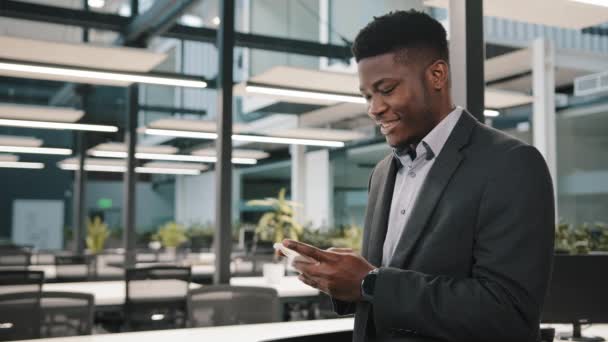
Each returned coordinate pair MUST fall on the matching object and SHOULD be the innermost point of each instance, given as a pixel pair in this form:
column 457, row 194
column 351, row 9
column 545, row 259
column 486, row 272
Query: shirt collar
column 432, row 144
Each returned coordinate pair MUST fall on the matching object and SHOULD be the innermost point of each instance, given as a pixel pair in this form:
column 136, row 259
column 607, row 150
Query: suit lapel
column 386, row 184
column 436, row 180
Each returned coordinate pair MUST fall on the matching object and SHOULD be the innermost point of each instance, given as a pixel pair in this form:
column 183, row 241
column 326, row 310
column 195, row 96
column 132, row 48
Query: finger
column 307, row 250
column 313, row 282
column 340, row 250
column 307, row 268
column 307, row 280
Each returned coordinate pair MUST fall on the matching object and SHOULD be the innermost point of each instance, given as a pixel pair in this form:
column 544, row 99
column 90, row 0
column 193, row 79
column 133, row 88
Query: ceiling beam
column 156, row 20
column 116, row 23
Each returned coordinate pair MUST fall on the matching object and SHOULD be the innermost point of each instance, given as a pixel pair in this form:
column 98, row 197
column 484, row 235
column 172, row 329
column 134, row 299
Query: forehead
column 376, row 68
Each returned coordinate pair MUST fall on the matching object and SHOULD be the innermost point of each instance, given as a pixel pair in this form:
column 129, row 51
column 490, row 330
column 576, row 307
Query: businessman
column 459, row 227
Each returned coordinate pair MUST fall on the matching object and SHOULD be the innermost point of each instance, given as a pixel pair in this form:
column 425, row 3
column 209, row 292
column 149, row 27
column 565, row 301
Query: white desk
column 245, row 333
column 106, row 293
column 288, row 287
column 109, row 293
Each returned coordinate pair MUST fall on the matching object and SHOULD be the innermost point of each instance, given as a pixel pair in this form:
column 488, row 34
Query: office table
column 288, row 287
column 112, row 293
column 245, row 333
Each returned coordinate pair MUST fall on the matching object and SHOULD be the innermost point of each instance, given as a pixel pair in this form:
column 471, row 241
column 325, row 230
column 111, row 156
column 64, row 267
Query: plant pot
column 171, row 253
column 273, row 272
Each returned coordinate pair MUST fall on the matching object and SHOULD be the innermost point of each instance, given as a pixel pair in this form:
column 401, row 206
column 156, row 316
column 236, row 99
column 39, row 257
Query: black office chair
column 12, row 281
column 67, row 314
column 71, row 268
column 229, row 305
column 156, row 297
column 20, row 304
column 19, row 316
column 15, row 258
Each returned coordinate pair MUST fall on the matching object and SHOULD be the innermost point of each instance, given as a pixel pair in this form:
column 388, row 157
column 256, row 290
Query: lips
column 387, row 126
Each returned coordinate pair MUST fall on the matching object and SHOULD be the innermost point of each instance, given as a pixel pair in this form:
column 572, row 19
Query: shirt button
column 412, row 174
column 402, row 211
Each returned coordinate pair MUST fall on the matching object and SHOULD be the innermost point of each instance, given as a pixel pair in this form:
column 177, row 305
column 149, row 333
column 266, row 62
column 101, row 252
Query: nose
column 376, row 106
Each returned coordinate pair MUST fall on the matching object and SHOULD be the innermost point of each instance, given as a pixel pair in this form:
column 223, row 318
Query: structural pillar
column 298, row 179
column 543, row 107
column 130, row 177
column 223, row 167
column 78, row 197
column 467, row 55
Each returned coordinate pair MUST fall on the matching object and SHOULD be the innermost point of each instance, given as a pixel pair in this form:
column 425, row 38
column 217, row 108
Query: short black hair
column 400, row 30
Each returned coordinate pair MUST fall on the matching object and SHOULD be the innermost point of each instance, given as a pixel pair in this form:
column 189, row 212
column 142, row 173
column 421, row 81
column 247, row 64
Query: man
column 459, row 227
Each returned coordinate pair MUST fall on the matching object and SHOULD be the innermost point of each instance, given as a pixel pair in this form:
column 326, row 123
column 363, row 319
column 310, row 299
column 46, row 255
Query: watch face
column 369, row 283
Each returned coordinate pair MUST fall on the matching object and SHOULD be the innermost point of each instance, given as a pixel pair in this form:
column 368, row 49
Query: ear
column 438, row 74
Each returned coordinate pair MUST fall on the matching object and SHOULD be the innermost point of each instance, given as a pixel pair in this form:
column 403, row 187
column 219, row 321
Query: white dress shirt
column 411, row 176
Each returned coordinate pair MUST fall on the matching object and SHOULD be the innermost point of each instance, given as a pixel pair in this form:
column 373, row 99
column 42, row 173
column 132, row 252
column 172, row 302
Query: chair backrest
column 229, row 305
column 67, row 314
column 19, row 315
column 75, row 267
column 157, row 282
column 156, row 297
column 12, row 281
column 15, row 257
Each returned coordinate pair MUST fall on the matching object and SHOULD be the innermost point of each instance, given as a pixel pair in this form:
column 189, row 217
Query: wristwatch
column 368, row 284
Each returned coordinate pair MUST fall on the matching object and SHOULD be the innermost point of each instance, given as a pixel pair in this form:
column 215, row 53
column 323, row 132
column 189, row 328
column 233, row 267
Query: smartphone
column 292, row 255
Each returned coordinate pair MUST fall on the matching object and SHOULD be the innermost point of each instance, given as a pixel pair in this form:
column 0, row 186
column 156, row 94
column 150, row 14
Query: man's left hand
column 338, row 272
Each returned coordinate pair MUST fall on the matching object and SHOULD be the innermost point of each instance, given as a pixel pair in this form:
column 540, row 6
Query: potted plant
column 97, row 233
column 201, row 236
column 171, row 235
column 349, row 236
column 276, row 225
column 583, row 239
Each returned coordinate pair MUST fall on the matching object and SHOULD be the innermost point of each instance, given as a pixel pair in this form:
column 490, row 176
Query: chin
column 397, row 142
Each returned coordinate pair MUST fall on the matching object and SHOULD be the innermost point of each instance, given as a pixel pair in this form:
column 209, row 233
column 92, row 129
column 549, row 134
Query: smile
column 386, row 127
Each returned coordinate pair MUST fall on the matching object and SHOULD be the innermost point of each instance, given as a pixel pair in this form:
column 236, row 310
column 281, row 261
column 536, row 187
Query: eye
column 387, row 91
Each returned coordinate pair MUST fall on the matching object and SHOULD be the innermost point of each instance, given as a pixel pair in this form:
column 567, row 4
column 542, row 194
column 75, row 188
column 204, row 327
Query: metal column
column 467, row 55
column 78, row 197
column 130, row 178
column 543, row 107
column 298, row 179
column 223, row 167
column 79, row 193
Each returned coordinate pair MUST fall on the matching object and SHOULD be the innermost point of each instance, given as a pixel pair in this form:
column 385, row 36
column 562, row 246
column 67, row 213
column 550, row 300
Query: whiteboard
column 38, row 223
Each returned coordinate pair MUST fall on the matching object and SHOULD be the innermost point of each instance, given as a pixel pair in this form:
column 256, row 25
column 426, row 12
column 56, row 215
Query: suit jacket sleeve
column 348, row 308
column 503, row 297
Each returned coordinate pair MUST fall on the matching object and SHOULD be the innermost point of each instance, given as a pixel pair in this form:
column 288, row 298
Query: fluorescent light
column 108, row 154
column 265, row 90
column 242, row 137
column 101, row 75
column 602, row 3
column 491, row 113
column 181, row 134
column 35, row 150
column 93, row 167
column 164, row 170
column 21, row 165
column 216, row 21
column 191, row 20
column 96, row 3
column 190, row 158
column 57, row 125
column 172, row 157
column 288, row 141
column 121, row 169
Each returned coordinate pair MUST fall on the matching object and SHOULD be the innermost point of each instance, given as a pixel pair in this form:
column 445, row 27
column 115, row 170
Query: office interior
column 148, row 149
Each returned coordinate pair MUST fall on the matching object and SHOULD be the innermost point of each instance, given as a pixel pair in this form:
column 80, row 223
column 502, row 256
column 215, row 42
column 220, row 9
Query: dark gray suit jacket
column 474, row 260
